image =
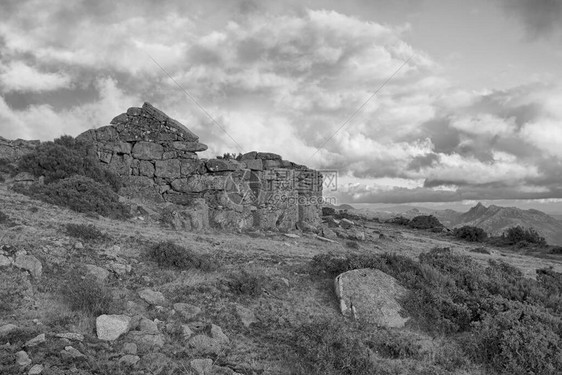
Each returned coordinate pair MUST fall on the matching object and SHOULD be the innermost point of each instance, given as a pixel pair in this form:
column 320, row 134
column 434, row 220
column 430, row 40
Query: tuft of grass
column 352, row 244
column 14, row 286
column 85, row 294
column 168, row 254
column 245, row 283
column 86, row 232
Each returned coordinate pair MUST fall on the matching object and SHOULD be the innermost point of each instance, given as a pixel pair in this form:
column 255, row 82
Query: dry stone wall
column 157, row 158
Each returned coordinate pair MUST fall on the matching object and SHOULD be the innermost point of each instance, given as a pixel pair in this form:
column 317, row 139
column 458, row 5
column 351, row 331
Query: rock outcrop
column 371, row 296
column 157, row 158
column 12, row 151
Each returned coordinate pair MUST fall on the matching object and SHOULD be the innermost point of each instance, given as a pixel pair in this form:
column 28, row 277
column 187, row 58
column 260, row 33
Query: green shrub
column 79, row 193
column 399, row 220
column 85, row 232
column 246, row 283
column 518, row 234
column 66, row 157
column 330, row 348
column 521, row 340
column 470, row 233
column 425, row 222
column 168, row 254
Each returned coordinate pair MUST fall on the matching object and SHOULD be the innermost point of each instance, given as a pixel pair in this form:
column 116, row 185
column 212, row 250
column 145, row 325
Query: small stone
column 346, row 223
column 120, row 268
column 22, row 359
column 70, row 352
column 110, row 327
column 148, row 326
column 292, row 235
column 201, row 366
column 129, row 360
column 186, row 310
column 29, row 263
column 152, row 297
column 186, row 331
column 39, row 339
column 246, row 316
column 78, row 246
column 6, row 329
column 35, row 370
column 130, row 348
column 101, row 274
column 5, row 261
column 70, row 336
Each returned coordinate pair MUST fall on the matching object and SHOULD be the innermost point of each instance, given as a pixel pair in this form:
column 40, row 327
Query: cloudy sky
column 473, row 110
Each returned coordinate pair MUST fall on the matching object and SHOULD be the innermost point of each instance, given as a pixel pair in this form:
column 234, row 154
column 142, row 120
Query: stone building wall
column 157, row 158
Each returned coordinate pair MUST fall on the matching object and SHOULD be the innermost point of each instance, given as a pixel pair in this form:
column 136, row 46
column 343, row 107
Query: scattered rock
column 110, row 327
column 370, row 295
column 6, row 329
column 346, row 223
column 39, row 339
column 146, row 342
column 35, row 370
column 355, row 234
column 22, row 359
column 130, row 348
column 5, row 261
column 292, row 235
column 101, row 274
column 212, row 343
column 186, row 310
column 29, row 263
column 202, row 366
column 129, row 360
column 70, row 336
column 245, row 315
column 70, row 353
column 328, row 233
column 148, row 326
column 120, row 268
column 325, row 239
column 78, row 245
column 158, row 364
column 152, row 297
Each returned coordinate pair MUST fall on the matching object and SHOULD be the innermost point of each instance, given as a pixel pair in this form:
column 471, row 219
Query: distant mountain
column 495, row 220
column 344, row 207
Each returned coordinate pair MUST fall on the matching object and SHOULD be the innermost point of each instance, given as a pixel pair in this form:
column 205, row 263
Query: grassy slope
column 264, row 347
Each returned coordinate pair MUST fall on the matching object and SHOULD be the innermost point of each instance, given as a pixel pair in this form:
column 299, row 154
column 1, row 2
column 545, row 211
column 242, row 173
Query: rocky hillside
column 84, row 294
column 495, row 220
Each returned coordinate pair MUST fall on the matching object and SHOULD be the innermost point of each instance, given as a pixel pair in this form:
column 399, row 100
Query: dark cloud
column 540, row 17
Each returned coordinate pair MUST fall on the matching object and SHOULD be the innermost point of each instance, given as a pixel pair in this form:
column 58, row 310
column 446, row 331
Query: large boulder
column 371, row 296
column 111, row 327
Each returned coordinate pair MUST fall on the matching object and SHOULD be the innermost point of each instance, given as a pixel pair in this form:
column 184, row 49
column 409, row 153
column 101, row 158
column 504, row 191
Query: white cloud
column 18, row 76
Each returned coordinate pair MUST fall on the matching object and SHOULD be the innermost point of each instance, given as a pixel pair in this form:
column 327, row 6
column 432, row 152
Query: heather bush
column 523, row 339
column 168, row 254
column 330, row 348
column 425, row 222
column 246, row 283
column 81, row 194
column 519, row 235
column 66, row 157
column 470, row 233
column 399, row 220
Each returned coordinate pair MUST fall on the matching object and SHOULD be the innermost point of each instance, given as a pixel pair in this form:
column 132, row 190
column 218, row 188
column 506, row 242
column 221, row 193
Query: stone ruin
column 156, row 156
